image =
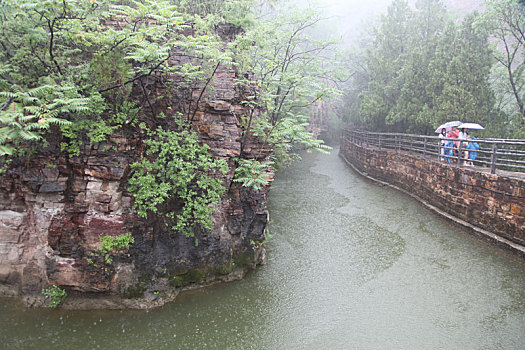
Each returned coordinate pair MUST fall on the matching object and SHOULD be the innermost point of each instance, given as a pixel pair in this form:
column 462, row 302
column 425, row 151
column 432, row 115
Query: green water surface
column 352, row 265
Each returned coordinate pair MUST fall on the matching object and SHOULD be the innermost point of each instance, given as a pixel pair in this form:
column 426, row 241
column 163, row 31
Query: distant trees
column 424, row 68
column 384, row 60
column 505, row 19
column 464, row 89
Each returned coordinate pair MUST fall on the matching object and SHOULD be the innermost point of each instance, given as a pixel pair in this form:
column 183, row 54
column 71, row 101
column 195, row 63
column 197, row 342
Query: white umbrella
column 454, row 123
column 475, row 126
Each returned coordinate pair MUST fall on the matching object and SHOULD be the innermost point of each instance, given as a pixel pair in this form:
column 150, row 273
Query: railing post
column 425, row 146
column 493, row 159
column 379, row 137
column 395, row 142
column 440, row 150
column 460, row 154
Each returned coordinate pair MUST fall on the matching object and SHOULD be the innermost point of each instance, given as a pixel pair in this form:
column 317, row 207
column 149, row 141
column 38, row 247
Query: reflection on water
column 352, row 265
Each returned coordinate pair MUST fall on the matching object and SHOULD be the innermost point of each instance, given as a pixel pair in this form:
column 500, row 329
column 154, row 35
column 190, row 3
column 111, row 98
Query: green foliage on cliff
column 110, row 245
column 99, row 50
column 77, row 72
column 29, row 113
column 177, row 179
column 237, row 12
column 75, row 64
column 252, row 173
column 55, row 294
column 68, row 62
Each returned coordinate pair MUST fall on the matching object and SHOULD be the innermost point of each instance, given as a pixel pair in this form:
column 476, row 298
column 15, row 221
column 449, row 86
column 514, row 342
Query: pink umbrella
column 448, row 126
column 441, row 127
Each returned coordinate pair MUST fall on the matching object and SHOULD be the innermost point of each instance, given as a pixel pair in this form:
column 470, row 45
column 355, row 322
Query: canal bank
column 491, row 206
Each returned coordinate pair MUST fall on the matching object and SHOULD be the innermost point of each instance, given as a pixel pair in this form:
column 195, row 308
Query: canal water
column 351, row 265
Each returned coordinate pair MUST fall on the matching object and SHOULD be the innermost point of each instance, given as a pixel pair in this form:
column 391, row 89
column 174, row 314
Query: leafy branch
column 253, row 173
column 31, row 112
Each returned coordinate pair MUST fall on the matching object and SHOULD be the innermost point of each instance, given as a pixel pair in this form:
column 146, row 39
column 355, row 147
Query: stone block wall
column 495, row 203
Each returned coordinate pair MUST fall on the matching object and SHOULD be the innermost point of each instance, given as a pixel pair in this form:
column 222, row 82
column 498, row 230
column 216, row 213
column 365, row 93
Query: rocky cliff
column 54, row 208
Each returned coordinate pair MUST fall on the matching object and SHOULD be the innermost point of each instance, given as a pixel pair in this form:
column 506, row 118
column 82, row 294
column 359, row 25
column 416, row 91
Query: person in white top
column 463, row 135
column 442, row 136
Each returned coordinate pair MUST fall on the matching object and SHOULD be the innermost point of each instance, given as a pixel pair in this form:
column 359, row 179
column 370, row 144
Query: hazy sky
column 351, row 15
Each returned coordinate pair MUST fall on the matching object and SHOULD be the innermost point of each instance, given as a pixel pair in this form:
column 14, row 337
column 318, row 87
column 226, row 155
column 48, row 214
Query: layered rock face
column 54, row 209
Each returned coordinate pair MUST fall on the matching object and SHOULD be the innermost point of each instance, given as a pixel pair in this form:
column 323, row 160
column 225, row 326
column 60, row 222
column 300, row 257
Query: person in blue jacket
column 472, row 147
column 448, row 150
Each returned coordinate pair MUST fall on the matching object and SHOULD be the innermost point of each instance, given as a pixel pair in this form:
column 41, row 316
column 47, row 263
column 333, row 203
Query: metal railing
column 496, row 154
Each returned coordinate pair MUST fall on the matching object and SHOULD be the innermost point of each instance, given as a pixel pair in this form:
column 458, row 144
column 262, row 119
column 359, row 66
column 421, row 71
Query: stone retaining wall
column 491, row 204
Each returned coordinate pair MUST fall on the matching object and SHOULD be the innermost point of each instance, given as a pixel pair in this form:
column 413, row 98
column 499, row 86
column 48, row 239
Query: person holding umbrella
column 471, row 147
column 463, row 133
column 443, row 129
column 454, row 134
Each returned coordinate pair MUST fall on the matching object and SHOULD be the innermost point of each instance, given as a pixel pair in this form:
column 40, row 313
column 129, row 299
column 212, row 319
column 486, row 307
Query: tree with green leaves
column 425, row 69
column 75, row 64
column 385, row 58
column 418, row 79
column 293, row 69
column 464, row 65
column 506, row 21
column 87, row 55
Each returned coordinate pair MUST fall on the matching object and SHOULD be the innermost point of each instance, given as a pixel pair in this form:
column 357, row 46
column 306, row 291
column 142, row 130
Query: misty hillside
column 464, row 6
